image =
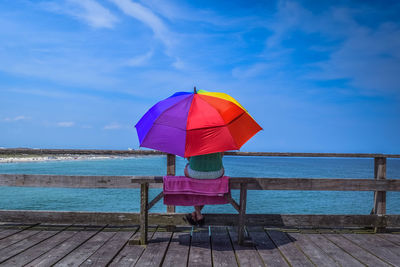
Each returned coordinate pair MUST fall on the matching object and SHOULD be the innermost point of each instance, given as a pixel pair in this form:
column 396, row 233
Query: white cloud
column 113, row 126
column 250, row 71
column 17, row 118
column 61, row 54
column 183, row 11
column 61, row 67
column 42, row 92
column 146, row 16
column 140, row 60
column 368, row 56
column 66, row 124
column 87, row 126
column 178, row 64
column 88, row 11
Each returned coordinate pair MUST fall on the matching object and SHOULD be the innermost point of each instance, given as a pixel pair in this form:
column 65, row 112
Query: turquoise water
column 127, row 200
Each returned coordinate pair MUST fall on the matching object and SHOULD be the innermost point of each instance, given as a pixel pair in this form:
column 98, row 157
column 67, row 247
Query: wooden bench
column 145, row 207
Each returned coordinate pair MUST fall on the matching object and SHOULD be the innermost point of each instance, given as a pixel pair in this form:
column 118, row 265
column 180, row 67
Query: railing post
column 379, row 196
column 171, row 163
column 144, row 213
column 242, row 212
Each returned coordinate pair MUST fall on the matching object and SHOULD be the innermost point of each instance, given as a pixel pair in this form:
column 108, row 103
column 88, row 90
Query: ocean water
column 128, row 200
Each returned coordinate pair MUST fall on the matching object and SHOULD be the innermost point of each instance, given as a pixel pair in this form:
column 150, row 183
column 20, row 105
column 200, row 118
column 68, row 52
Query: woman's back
column 206, row 163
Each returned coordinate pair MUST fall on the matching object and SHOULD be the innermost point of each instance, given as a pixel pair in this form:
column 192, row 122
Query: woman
column 207, row 166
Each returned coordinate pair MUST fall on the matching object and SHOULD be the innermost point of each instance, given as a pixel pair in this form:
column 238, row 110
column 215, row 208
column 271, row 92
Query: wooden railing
column 377, row 219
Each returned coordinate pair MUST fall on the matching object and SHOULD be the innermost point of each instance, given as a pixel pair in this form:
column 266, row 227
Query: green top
column 206, row 163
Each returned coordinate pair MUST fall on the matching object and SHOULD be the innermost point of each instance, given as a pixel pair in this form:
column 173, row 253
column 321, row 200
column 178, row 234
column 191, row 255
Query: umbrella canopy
column 190, row 124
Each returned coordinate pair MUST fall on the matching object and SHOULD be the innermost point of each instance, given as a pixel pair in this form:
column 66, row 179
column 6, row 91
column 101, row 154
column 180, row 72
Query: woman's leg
column 196, row 215
column 198, row 209
column 186, row 171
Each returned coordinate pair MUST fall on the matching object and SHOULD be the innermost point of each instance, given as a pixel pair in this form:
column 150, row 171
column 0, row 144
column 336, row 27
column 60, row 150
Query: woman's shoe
column 201, row 222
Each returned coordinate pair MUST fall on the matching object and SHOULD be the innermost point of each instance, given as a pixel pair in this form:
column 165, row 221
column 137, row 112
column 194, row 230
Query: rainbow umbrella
column 190, row 124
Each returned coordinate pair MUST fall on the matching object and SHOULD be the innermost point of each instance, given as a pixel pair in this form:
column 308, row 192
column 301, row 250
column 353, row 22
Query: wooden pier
column 43, row 238
column 104, row 245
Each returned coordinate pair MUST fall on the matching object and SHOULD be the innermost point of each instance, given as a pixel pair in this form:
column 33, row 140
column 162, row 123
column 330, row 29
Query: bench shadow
column 226, row 239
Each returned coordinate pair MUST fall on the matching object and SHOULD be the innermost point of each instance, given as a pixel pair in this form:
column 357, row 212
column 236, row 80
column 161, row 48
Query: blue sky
column 318, row 76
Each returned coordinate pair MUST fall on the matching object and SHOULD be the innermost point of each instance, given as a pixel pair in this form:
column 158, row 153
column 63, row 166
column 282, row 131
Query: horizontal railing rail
column 30, row 151
column 259, row 183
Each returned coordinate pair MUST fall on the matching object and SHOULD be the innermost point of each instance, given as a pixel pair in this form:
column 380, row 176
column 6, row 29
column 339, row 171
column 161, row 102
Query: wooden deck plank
column 39, row 249
column 200, row 249
column 24, row 244
column 377, row 246
column 222, row 250
column 110, row 249
column 246, row 256
column 312, row 251
column 336, row 253
column 130, row 254
column 288, row 249
column 356, row 251
column 155, row 250
column 394, row 238
column 80, row 254
column 16, row 237
column 178, row 250
column 266, row 248
column 7, row 232
column 10, row 229
column 61, row 250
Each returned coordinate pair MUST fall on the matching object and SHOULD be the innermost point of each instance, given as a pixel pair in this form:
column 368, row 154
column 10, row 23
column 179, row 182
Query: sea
column 271, row 201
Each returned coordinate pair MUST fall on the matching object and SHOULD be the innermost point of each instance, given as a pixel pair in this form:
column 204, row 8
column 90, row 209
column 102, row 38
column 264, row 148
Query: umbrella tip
column 194, row 90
